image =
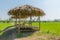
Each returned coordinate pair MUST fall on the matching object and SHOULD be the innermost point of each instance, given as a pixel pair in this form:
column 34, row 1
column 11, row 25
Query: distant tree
column 57, row 20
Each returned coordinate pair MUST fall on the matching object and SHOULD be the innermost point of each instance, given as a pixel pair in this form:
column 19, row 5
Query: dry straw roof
column 25, row 11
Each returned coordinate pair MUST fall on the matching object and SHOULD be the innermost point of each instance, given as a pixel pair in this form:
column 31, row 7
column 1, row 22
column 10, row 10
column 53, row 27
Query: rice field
column 49, row 27
column 45, row 27
column 4, row 25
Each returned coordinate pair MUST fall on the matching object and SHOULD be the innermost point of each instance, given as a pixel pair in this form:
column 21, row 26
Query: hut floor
column 29, row 29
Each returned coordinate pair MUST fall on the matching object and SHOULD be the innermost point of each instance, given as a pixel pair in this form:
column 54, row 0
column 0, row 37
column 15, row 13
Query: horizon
column 50, row 7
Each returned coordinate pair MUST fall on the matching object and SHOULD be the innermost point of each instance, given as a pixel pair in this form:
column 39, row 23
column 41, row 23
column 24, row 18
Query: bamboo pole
column 30, row 21
column 16, row 22
column 39, row 22
column 19, row 24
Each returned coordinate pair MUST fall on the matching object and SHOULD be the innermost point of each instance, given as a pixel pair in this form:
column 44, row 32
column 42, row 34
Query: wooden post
column 16, row 22
column 19, row 24
column 39, row 21
column 30, row 21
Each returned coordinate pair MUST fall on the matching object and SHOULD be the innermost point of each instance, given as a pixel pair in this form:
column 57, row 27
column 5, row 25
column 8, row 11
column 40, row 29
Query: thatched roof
column 26, row 11
column 22, row 17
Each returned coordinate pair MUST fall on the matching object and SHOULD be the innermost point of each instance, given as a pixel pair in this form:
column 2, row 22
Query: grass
column 49, row 27
column 46, row 27
column 4, row 25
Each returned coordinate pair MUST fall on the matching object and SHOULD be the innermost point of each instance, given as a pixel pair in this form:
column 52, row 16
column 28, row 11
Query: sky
column 50, row 7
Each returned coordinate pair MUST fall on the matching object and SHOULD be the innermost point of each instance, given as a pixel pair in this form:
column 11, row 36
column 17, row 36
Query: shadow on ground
column 12, row 34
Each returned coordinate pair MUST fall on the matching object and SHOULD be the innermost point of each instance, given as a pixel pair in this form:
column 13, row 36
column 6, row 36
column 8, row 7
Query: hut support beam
column 16, row 22
column 19, row 26
column 39, row 21
column 30, row 21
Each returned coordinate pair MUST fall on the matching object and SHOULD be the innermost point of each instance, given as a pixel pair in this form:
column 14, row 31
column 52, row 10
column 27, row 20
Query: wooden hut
column 26, row 11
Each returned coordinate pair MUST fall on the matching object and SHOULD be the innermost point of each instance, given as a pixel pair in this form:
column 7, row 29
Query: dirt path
column 42, row 37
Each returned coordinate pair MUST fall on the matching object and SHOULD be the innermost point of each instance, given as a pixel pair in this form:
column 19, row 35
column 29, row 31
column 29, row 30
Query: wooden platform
column 29, row 29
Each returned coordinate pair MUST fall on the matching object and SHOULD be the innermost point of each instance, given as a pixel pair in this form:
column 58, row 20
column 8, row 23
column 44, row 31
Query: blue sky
column 50, row 7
